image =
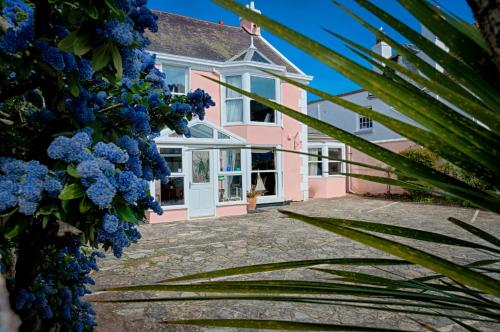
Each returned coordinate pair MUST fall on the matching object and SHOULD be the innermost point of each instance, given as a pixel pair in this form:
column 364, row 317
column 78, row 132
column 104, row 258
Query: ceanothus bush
column 81, row 102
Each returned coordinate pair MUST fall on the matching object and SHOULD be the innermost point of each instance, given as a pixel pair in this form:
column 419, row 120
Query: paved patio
column 180, row 248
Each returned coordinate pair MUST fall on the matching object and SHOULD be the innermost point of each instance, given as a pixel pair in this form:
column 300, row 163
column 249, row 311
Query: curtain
column 234, row 100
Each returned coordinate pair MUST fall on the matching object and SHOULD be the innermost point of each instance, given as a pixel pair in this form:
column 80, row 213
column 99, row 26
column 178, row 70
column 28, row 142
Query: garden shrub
column 81, row 102
column 423, row 156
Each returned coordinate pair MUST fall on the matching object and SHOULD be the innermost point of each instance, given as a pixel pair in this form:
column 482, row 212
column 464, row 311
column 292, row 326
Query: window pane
column 236, row 81
column 264, row 87
column 201, row 166
column 263, row 160
column 172, row 192
column 176, row 79
column 230, row 188
column 258, row 58
column 315, row 169
column 173, row 157
column 365, row 123
column 234, row 110
column 334, row 167
column 261, row 113
column 317, row 154
column 230, row 160
column 201, row 131
column 222, row 136
column 335, row 153
column 265, row 180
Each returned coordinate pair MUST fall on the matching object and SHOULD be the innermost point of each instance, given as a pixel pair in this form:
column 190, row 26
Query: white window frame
column 358, row 123
column 176, row 175
column 246, row 100
column 325, row 161
column 241, row 173
column 278, row 170
column 187, row 77
column 242, row 98
column 315, row 162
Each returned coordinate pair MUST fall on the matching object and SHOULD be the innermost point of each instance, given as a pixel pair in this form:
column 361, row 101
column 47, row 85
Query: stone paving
column 180, row 248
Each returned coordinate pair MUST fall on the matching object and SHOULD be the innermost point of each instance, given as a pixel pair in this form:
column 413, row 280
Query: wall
column 359, row 186
column 327, row 187
column 167, row 216
column 198, row 81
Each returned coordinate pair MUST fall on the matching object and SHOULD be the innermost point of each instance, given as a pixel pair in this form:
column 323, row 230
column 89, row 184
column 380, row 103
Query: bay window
column 240, row 109
column 334, row 166
column 171, row 191
column 230, row 175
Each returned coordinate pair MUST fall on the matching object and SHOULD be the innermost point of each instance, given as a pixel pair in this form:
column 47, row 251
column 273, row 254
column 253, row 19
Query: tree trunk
column 487, row 14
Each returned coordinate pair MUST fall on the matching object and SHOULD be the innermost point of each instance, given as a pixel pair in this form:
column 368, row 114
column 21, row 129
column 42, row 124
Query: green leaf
column 476, row 231
column 72, row 191
column 241, row 270
column 407, row 232
column 416, row 256
column 85, row 204
column 101, row 56
column 18, row 228
column 71, row 170
column 274, row 325
column 66, row 44
column 125, row 213
column 82, row 44
column 117, row 61
column 92, row 11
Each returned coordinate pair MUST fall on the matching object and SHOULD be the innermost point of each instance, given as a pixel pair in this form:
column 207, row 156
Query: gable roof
column 191, row 37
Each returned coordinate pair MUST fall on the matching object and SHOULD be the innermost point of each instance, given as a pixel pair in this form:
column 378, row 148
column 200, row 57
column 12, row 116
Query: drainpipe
column 349, row 178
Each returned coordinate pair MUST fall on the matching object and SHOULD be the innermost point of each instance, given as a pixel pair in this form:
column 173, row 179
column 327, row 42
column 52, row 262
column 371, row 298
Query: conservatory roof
column 202, row 133
column 194, row 38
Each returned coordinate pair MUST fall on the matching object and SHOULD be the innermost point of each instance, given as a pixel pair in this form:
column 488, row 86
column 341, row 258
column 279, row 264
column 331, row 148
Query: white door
column 201, row 185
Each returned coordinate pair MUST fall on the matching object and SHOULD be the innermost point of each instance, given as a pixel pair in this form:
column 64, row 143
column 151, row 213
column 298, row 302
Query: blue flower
column 129, row 144
column 110, row 223
column 52, row 186
column 8, row 194
column 89, row 169
column 181, row 108
column 110, row 152
column 121, row 32
column 85, row 70
column 70, row 149
column 20, row 18
column 101, row 192
column 50, row 54
column 200, row 101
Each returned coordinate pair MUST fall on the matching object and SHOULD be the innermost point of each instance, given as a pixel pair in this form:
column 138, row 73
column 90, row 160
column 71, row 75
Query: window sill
column 229, row 203
column 173, row 207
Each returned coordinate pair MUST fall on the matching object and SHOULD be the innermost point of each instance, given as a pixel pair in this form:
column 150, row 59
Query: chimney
column 248, row 26
column 221, row 22
column 383, row 49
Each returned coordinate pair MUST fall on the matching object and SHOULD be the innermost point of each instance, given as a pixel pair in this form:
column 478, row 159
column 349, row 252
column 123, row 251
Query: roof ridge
column 197, row 19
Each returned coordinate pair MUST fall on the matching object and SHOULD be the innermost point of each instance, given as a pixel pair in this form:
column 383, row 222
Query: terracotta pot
column 251, row 203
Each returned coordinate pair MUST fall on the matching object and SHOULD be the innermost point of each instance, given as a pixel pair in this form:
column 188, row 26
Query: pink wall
column 327, row 187
column 168, row 215
column 359, row 186
column 231, row 210
column 212, row 88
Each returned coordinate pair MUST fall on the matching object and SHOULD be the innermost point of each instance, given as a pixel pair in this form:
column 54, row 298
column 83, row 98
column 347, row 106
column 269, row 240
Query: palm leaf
column 288, row 265
column 476, row 231
column 416, row 256
column 274, row 325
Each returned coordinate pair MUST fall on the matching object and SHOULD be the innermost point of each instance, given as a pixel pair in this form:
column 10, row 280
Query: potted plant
column 252, row 199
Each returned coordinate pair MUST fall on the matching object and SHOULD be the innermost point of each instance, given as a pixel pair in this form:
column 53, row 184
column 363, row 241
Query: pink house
column 231, row 151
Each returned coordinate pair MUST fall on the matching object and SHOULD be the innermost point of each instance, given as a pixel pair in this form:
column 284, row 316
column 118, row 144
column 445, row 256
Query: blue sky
column 308, row 16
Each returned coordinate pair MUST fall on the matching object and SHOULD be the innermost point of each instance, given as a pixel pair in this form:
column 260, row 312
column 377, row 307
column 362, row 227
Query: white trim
column 210, row 65
column 279, row 197
column 391, row 140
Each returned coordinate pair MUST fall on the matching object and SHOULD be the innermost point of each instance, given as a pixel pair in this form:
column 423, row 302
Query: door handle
column 189, row 184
